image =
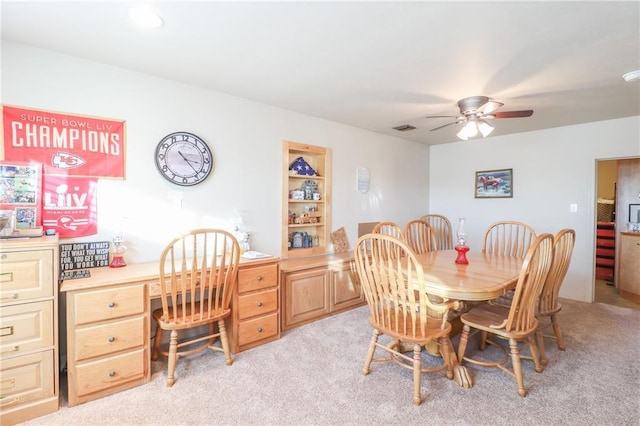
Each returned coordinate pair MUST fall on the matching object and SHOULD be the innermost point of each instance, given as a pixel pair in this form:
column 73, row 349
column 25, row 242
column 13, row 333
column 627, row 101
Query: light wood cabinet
column 28, row 329
column 306, row 219
column 629, row 266
column 255, row 307
column 316, row 287
column 107, row 340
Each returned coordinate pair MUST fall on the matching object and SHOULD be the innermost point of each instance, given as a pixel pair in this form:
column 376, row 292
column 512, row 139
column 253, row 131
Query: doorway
column 605, row 290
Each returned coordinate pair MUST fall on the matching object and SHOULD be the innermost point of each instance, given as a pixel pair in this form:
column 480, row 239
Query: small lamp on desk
column 117, row 252
column 462, row 248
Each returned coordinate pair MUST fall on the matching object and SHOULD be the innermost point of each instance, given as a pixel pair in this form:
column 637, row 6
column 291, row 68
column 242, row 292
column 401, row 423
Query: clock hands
column 188, row 162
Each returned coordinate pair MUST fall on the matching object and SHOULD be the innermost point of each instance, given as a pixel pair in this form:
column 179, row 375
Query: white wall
column 246, row 138
column 551, row 169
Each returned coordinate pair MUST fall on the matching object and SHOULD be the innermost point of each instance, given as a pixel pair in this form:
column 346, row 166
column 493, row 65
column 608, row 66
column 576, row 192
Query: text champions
column 25, row 135
column 72, row 145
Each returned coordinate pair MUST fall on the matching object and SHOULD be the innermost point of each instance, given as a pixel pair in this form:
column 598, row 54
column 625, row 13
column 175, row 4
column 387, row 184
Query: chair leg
column 225, row 342
column 558, row 332
column 417, row 373
column 372, row 348
column 156, row 343
column 462, row 346
column 173, row 358
column 540, row 339
column 517, row 367
column 446, row 350
column 482, row 345
column 535, row 354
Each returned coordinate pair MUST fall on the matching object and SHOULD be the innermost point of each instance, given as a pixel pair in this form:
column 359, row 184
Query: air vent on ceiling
column 404, row 128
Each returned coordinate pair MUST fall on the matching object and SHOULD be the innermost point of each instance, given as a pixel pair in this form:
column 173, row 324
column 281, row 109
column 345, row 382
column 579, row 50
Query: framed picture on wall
column 634, row 212
column 494, row 183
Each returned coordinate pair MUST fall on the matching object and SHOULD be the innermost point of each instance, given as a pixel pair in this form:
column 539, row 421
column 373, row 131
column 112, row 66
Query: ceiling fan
column 475, row 111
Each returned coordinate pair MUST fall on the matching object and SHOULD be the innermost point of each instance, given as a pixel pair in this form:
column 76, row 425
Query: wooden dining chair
column 548, row 304
column 391, row 229
column 509, row 238
column 198, row 275
column 516, row 323
column 419, row 236
column 398, row 301
column 442, row 230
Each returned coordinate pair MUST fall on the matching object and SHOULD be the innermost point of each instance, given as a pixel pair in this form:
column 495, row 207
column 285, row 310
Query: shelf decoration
column 340, row 240
column 301, row 168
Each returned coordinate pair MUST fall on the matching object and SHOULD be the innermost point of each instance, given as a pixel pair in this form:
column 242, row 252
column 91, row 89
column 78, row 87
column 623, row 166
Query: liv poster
column 66, row 144
column 69, row 205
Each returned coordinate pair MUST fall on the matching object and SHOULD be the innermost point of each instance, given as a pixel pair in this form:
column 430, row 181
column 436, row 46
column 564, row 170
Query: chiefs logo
column 64, row 160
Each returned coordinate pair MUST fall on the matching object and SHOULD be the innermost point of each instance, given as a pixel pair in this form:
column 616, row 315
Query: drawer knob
column 112, row 304
column 111, row 339
column 260, row 330
column 112, row 373
column 259, row 304
column 259, row 277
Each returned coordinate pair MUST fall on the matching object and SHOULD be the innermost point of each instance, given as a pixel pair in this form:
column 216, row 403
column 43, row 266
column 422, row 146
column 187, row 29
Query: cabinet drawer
column 26, row 327
column 251, row 279
column 254, row 304
column 109, row 338
column 110, row 303
column 109, row 372
column 26, row 378
column 26, row 275
column 258, row 329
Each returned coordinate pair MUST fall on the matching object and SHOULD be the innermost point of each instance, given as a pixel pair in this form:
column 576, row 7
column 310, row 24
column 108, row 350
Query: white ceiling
column 373, row 65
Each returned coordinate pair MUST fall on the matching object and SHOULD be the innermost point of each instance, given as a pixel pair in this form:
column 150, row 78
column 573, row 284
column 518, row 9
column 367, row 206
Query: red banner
column 69, row 205
column 66, row 144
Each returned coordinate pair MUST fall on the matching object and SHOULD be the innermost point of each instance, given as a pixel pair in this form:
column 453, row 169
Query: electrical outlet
column 573, row 208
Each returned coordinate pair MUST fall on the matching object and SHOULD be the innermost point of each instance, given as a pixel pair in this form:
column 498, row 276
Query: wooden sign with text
column 84, row 255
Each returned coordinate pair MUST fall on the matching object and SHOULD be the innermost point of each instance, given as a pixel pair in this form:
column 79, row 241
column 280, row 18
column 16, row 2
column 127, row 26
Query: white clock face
column 184, row 159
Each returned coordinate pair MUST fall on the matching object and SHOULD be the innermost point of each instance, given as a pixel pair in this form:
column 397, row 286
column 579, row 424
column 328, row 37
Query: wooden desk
column 109, row 323
column 484, row 278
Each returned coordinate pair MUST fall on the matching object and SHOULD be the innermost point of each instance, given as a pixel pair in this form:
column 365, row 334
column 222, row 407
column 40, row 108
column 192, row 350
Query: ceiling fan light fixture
column 632, row 76
column 485, row 128
column 468, row 131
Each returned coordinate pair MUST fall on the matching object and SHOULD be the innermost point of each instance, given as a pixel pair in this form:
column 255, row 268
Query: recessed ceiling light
column 632, row 76
column 145, row 17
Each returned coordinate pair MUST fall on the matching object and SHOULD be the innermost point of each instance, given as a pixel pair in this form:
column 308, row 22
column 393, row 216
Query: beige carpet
column 312, row 376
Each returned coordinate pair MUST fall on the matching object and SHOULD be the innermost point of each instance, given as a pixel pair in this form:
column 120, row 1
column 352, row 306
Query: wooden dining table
column 485, row 277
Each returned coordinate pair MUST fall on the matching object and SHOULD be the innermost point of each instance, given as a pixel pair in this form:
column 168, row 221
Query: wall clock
column 184, row 159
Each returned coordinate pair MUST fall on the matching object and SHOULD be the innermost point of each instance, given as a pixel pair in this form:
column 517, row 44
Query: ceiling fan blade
column 489, row 106
column 513, row 114
column 445, row 125
column 441, row 116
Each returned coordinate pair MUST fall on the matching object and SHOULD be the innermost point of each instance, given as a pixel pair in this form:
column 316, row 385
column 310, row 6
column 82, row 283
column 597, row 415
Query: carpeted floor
column 312, row 376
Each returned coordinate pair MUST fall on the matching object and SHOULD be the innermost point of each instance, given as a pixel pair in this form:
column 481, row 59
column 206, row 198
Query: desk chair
column 516, row 323
column 548, row 304
column 442, row 230
column 198, row 272
column 398, row 305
